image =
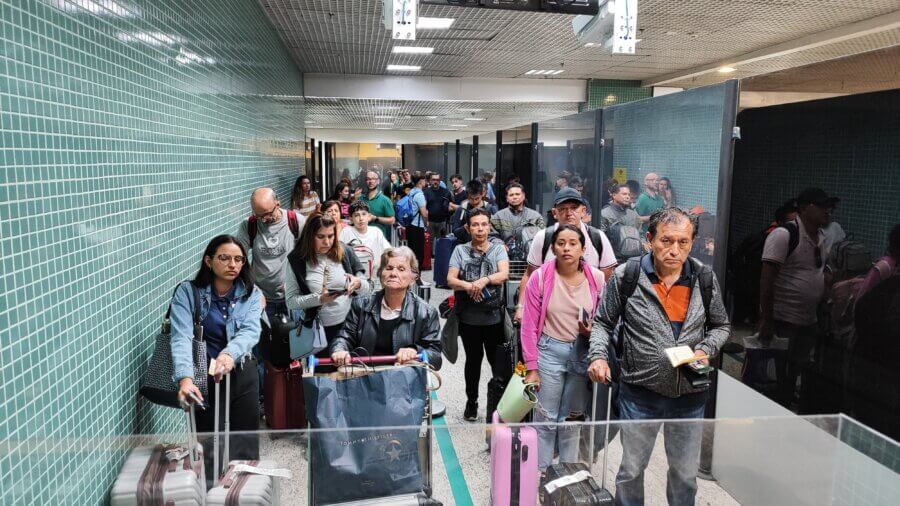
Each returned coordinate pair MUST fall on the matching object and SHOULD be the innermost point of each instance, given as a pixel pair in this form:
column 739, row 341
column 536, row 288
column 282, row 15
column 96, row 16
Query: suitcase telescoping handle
column 609, row 397
column 382, row 359
column 226, row 454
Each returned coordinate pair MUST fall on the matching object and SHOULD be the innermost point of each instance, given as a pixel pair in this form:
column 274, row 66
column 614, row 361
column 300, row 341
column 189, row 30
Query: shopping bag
column 368, row 462
column 308, row 337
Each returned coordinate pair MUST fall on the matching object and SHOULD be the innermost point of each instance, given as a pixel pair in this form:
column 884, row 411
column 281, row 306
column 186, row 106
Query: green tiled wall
column 132, row 132
column 848, row 146
column 607, row 92
column 677, row 135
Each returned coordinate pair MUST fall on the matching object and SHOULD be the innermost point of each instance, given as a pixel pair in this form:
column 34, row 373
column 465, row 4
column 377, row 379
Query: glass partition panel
column 465, row 160
column 448, row 164
column 487, row 152
column 424, row 157
column 567, row 158
column 671, row 146
column 515, row 162
column 346, row 164
column 776, row 460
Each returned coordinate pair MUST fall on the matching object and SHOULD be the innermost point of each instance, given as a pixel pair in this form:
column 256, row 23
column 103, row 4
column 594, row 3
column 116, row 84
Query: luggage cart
column 426, row 439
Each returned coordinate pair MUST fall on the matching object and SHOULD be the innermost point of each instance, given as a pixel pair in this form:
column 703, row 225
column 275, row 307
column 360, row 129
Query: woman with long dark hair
column 320, row 278
column 303, row 198
column 229, row 312
column 667, row 191
column 343, row 197
column 555, row 340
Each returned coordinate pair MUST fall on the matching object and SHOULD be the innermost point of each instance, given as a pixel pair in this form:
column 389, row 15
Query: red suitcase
column 284, row 403
column 426, row 264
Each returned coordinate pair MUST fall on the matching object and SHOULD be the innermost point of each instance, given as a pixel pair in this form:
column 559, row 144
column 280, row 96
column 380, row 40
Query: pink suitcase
column 514, row 469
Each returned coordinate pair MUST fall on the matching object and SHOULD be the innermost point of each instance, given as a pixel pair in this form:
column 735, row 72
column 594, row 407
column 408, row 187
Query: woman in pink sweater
column 555, row 340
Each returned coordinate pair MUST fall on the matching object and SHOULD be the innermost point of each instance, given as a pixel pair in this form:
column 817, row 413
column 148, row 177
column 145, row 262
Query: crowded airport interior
column 450, row 252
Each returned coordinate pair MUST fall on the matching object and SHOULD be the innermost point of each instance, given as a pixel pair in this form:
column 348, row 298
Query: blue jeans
column 564, row 392
column 682, row 442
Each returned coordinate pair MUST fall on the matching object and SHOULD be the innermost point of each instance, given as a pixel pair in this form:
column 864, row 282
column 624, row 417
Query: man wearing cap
column 792, row 283
column 568, row 208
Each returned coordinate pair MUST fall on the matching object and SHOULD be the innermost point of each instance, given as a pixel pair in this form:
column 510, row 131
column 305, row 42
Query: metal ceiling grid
column 862, row 73
column 348, row 37
column 822, row 54
column 427, row 115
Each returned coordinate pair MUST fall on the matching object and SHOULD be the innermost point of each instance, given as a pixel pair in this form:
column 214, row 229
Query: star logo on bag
column 394, row 451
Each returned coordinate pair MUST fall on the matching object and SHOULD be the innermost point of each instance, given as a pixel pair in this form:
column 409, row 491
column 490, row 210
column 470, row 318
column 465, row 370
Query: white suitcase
column 243, row 488
column 167, row 474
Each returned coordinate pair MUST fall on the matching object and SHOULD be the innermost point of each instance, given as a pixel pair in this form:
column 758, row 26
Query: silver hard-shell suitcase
column 239, row 488
column 170, row 474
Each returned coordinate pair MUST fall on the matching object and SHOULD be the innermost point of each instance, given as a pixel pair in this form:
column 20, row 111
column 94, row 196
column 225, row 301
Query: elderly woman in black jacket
column 393, row 320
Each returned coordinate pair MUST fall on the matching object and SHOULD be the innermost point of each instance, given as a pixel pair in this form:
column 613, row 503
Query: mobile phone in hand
column 585, row 317
column 335, row 293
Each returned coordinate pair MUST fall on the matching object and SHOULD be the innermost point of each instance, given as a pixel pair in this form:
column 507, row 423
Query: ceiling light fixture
column 412, row 50
column 473, row 119
column 384, row 117
column 461, row 126
column 726, row 70
column 387, row 107
column 383, row 123
column 469, row 110
column 544, row 72
column 424, row 23
column 404, row 68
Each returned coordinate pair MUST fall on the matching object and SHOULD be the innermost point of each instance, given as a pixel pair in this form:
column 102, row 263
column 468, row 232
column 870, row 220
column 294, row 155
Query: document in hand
column 680, row 355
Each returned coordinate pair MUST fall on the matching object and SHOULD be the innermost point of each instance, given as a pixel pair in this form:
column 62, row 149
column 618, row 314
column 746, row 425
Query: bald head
column 651, row 182
column 264, row 203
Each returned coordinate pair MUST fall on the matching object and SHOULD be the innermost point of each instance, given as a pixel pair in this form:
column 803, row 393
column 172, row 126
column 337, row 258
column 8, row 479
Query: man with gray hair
column 664, row 299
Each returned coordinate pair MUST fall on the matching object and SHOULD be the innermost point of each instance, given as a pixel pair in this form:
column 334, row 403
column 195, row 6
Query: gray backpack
column 625, row 240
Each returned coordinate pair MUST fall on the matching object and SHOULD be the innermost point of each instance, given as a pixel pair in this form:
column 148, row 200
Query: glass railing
column 771, row 461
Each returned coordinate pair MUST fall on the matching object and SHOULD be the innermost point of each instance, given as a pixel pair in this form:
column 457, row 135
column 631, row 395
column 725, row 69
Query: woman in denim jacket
column 230, row 311
column 555, row 338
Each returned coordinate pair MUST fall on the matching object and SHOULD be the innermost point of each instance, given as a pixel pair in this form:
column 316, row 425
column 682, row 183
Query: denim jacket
column 242, row 325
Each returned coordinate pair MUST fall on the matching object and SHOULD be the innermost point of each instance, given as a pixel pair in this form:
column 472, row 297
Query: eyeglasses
column 228, row 258
column 269, row 214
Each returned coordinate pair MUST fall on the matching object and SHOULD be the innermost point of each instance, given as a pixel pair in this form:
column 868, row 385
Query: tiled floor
column 471, row 451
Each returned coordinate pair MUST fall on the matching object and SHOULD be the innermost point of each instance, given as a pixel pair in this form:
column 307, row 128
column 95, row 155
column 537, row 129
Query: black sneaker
column 471, row 412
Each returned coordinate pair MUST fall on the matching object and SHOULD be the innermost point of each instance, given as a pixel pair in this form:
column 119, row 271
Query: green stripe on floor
column 451, row 464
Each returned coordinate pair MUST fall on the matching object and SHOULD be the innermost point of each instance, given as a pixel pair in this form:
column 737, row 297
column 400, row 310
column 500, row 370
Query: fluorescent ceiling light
column 434, row 23
column 544, row 72
column 309, row 121
column 404, row 68
column 473, row 119
column 383, row 123
column 558, row 72
column 413, row 50
column 384, row 117
column 431, row 117
column 726, row 70
column 469, row 110
column 462, row 126
column 387, row 107
column 530, row 72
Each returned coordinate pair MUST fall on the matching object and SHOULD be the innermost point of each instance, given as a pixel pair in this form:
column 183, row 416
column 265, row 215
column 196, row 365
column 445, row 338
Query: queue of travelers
column 569, row 306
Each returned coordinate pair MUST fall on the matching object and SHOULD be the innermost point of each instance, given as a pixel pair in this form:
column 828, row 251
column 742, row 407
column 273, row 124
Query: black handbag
column 158, row 385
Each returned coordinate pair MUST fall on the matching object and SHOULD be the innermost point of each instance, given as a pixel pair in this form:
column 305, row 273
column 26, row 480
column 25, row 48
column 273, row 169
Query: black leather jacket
column 420, row 327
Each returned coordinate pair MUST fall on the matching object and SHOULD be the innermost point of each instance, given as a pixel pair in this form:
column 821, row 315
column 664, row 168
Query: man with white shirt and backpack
column 367, row 242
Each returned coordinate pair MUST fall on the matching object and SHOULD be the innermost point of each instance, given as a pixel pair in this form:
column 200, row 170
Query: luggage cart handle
column 383, row 359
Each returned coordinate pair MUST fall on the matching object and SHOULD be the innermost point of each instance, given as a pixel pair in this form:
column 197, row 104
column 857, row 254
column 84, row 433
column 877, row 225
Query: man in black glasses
column 792, row 283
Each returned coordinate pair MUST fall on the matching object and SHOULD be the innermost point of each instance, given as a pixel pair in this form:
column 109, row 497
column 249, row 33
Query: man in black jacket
column 437, row 200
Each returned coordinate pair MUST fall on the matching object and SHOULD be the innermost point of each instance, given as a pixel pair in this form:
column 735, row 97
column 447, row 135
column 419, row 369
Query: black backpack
column 593, row 235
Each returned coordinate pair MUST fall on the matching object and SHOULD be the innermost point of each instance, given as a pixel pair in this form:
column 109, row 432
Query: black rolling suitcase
column 568, row 484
